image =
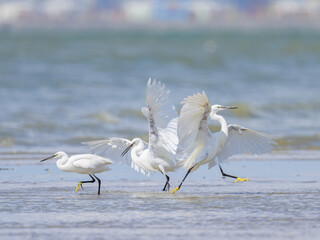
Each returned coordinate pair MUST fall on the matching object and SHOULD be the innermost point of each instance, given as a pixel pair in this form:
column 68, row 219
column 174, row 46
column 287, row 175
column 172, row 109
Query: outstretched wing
column 193, row 117
column 243, row 140
column 162, row 119
column 111, row 148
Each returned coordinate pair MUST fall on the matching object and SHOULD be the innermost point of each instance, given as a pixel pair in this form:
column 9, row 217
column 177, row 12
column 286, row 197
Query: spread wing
column 193, row 117
column 90, row 161
column 111, row 148
column 243, row 140
column 162, row 118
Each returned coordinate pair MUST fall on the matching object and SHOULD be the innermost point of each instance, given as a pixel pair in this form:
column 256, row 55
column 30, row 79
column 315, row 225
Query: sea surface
column 61, row 88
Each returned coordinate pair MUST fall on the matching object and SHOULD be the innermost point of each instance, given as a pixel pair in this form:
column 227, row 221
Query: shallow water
column 281, row 201
column 60, row 88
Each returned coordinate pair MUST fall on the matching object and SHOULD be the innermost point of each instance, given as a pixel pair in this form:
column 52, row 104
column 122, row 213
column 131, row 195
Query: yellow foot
column 241, row 180
column 174, row 190
column 78, row 186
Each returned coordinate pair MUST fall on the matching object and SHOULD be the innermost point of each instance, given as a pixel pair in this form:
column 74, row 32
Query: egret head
column 56, row 155
column 216, row 108
column 133, row 142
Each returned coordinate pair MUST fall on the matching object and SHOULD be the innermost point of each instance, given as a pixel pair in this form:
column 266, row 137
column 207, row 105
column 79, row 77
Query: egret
column 198, row 145
column 159, row 154
column 83, row 164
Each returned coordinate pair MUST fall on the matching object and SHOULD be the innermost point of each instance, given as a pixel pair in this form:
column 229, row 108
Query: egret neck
column 222, row 121
column 62, row 163
column 137, row 150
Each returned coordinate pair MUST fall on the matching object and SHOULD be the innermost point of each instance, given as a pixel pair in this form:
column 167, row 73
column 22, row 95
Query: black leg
column 80, row 183
column 186, row 176
column 167, row 185
column 230, row 176
column 99, row 182
column 226, row 175
column 177, row 188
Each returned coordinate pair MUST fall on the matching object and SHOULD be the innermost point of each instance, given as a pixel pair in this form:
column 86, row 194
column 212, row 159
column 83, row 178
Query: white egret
column 159, row 154
column 83, row 164
column 198, row 145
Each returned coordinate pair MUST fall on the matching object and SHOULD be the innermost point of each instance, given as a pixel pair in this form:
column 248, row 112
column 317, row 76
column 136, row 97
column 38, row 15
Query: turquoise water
column 59, row 88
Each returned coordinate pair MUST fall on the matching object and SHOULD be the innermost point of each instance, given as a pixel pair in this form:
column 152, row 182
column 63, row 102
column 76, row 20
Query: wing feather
column 162, row 118
column 243, row 140
column 111, row 148
column 137, row 168
column 193, row 115
column 90, row 161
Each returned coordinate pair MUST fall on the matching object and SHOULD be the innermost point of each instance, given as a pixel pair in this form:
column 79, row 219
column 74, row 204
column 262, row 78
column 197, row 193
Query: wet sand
column 281, row 201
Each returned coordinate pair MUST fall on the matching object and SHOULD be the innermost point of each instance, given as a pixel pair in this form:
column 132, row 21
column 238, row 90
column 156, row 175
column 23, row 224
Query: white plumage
column 159, row 153
column 194, row 112
column 243, row 140
column 198, row 145
column 111, row 147
column 82, row 164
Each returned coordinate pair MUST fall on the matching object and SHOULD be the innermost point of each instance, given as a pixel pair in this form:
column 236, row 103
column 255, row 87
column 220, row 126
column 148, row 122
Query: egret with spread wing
column 198, row 145
column 159, row 154
column 83, row 164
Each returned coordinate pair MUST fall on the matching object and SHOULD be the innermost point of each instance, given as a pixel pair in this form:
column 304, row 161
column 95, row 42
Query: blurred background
column 116, row 13
column 76, row 70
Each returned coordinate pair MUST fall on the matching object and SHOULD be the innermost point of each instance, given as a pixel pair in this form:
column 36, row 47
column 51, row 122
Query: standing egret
column 159, row 154
column 83, row 164
column 198, row 145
